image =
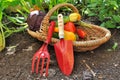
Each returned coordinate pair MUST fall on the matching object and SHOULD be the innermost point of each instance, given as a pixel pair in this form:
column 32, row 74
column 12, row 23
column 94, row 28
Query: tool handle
column 50, row 31
column 61, row 26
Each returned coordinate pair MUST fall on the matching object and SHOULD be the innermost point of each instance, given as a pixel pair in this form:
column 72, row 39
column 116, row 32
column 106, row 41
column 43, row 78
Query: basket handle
column 45, row 21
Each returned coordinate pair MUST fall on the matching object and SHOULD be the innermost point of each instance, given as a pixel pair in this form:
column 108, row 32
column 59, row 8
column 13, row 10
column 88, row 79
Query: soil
column 102, row 63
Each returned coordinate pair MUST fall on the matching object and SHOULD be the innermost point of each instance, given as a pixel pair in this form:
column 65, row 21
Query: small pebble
column 87, row 75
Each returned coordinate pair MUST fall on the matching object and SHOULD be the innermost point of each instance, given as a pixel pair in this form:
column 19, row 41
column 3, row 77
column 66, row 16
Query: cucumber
column 55, row 35
column 65, row 18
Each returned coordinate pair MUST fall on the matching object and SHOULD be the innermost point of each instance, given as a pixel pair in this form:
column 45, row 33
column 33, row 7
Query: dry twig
column 89, row 68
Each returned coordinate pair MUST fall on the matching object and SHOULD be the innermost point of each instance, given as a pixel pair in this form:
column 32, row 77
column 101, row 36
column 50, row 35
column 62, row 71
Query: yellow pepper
column 56, row 29
column 74, row 17
column 69, row 35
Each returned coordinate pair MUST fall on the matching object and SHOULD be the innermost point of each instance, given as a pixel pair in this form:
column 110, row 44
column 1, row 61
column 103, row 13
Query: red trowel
column 64, row 50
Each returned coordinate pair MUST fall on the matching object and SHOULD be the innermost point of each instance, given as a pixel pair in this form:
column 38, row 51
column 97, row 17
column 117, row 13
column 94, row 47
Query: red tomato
column 69, row 26
column 81, row 33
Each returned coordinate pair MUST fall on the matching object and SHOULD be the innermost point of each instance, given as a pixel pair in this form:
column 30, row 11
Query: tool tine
column 41, row 71
column 37, row 64
column 33, row 63
column 47, row 66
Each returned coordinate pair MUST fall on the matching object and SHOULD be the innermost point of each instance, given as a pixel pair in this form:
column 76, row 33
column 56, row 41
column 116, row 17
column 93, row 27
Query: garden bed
column 15, row 60
column 102, row 63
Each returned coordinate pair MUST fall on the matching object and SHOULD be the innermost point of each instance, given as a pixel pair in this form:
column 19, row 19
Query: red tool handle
column 50, row 31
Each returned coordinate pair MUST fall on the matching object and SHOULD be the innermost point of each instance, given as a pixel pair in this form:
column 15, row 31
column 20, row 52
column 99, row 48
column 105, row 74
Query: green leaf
column 2, row 37
column 116, row 18
column 103, row 24
column 1, row 15
column 101, row 17
column 110, row 24
column 102, row 14
column 118, row 27
column 92, row 14
column 115, row 46
column 93, row 1
column 87, row 11
column 2, row 46
column 114, row 3
column 93, row 5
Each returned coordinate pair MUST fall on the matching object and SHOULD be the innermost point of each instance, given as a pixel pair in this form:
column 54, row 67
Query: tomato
column 81, row 33
column 69, row 26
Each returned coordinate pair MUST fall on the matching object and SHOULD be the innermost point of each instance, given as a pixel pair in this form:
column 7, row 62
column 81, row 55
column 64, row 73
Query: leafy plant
column 107, row 11
column 2, row 38
column 5, row 30
column 115, row 46
column 3, row 4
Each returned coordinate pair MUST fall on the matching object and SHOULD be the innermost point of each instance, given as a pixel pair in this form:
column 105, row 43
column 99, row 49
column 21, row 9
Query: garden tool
column 64, row 50
column 42, row 55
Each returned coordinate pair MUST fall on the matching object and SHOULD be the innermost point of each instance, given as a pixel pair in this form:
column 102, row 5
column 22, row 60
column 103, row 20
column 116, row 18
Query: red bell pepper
column 81, row 33
column 69, row 26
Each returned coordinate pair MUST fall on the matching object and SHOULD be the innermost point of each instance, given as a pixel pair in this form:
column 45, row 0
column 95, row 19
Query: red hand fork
column 42, row 55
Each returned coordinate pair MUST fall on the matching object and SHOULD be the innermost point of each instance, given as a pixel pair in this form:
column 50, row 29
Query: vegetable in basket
column 55, row 35
column 56, row 29
column 36, row 16
column 81, row 33
column 69, row 26
column 85, row 46
column 74, row 17
column 34, row 19
column 69, row 36
column 66, row 19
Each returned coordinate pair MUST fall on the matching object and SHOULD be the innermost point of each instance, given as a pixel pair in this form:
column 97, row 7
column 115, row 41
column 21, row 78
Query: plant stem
column 2, row 37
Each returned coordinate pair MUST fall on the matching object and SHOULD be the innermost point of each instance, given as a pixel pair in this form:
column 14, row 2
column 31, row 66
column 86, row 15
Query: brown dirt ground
column 15, row 60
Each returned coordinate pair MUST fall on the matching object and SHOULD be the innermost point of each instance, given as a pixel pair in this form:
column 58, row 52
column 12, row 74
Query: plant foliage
column 107, row 11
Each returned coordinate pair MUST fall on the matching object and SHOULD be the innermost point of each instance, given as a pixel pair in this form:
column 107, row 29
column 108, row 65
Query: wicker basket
column 96, row 35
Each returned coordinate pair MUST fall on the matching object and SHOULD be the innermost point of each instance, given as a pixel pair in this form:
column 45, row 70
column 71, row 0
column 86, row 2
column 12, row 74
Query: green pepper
column 55, row 35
